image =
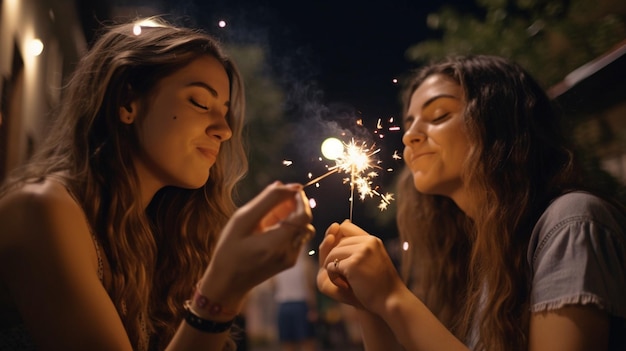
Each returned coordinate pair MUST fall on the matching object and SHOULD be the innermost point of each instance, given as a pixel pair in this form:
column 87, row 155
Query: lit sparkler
column 355, row 160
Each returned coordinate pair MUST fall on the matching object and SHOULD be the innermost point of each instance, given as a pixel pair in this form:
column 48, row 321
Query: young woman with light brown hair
column 508, row 249
column 121, row 233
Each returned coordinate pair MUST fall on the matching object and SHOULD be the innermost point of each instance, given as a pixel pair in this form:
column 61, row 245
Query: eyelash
column 409, row 121
column 193, row 102
column 440, row 117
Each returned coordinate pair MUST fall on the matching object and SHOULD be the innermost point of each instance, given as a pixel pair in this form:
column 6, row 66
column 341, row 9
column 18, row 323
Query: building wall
column 31, row 84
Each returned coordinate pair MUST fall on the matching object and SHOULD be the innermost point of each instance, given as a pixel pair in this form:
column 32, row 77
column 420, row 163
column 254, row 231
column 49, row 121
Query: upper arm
column 570, row 328
column 48, row 263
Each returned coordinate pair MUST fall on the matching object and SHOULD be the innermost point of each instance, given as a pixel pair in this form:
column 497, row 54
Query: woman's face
column 436, row 144
column 183, row 125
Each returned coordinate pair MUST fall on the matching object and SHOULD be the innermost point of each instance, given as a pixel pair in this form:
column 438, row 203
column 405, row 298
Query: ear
column 128, row 112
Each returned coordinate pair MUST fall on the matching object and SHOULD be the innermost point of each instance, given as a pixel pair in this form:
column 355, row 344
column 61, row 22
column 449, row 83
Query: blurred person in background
column 295, row 294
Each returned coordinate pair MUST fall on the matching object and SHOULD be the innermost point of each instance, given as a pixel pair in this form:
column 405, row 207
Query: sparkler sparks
column 355, row 160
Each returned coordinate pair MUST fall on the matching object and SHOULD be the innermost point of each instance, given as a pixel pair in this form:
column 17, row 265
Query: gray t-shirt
column 577, row 255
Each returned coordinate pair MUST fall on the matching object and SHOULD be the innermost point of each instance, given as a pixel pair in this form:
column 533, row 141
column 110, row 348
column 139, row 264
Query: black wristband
column 205, row 325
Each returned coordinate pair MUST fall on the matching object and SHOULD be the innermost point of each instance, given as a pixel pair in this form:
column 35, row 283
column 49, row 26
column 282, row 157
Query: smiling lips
column 416, row 157
column 209, row 153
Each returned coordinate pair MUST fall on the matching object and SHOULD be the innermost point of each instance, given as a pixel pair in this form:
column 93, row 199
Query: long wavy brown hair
column 89, row 148
column 472, row 273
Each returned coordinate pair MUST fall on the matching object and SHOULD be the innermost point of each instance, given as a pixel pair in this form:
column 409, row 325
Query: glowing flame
column 355, row 160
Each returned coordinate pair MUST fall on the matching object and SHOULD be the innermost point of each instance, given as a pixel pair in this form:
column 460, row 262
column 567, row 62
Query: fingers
column 258, row 209
column 335, row 267
column 347, row 228
column 336, row 286
column 300, row 220
column 301, row 235
column 328, row 243
column 331, row 285
column 302, row 206
column 347, row 252
column 332, row 238
column 335, row 234
column 340, row 243
column 336, row 275
column 294, row 226
column 301, row 215
column 266, row 209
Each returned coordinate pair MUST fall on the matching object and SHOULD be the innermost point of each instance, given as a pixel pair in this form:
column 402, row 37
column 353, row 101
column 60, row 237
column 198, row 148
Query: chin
column 195, row 183
column 420, row 187
column 425, row 187
column 442, row 187
column 420, row 184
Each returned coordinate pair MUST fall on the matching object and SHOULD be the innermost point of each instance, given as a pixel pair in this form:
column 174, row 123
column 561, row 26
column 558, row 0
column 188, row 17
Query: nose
column 413, row 135
column 219, row 127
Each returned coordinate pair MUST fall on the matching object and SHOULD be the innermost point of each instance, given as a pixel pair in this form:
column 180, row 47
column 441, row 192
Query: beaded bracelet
column 213, row 308
column 205, row 325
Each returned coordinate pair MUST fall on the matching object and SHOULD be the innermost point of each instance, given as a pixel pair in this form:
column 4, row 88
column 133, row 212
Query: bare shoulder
column 37, row 195
column 27, row 212
column 39, row 214
column 49, row 267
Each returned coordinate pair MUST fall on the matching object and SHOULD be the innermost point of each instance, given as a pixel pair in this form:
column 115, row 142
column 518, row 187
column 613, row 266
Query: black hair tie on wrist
column 205, row 325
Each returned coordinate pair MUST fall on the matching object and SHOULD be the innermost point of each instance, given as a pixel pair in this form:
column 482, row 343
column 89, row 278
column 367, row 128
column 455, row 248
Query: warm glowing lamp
column 332, row 148
column 35, row 47
column 144, row 23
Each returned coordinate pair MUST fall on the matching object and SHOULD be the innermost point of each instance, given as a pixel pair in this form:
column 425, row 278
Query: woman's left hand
column 356, row 269
column 331, row 283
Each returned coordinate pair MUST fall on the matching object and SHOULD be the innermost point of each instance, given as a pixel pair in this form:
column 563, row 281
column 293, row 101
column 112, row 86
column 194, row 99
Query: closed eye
column 441, row 118
column 196, row 104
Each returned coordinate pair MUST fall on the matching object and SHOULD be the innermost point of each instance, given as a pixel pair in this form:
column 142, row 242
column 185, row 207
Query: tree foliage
column 266, row 130
column 548, row 37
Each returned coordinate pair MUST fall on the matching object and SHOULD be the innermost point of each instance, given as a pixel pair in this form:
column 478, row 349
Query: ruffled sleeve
column 577, row 255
